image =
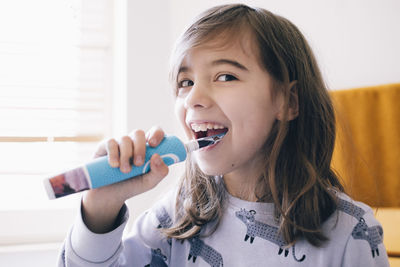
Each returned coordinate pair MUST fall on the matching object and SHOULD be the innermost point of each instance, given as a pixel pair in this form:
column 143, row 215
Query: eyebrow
column 217, row 62
column 229, row 62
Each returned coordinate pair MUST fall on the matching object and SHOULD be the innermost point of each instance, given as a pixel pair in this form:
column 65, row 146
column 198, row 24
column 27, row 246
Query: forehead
column 240, row 47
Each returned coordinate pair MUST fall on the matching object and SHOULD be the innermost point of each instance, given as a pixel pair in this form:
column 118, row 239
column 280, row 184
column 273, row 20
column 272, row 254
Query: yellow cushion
column 367, row 150
column 394, row 262
column 390, row 220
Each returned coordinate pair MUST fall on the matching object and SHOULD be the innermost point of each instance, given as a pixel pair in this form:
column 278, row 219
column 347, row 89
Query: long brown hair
column 297, row 174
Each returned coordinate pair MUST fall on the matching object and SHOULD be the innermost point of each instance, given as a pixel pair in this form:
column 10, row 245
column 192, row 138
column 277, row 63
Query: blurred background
column 73, row 73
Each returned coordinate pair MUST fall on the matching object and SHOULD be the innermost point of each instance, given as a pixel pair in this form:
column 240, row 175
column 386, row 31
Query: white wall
column 150, row 99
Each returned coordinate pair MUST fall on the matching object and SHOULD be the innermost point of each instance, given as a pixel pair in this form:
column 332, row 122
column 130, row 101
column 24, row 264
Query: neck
column 242, row 183
column 242, row 192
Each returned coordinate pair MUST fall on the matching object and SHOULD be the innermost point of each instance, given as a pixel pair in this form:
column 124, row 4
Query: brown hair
column 297, row 174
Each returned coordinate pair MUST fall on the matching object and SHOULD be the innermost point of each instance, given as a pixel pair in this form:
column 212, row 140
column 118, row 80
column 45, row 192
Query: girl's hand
column 102, row 205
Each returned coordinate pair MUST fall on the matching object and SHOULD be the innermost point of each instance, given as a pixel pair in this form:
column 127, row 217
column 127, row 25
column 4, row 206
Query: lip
column 208, row 148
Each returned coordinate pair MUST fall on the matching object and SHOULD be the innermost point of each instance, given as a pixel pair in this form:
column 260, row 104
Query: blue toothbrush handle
column 171, row 150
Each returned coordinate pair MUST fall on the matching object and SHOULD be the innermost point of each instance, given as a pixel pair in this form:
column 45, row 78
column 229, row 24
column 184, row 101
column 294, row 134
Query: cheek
column 251, row 111
column 252, row 123
column 180, row 113
column 179, row 110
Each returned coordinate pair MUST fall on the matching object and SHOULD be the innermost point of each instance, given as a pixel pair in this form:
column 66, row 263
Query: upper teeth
column 205, row 126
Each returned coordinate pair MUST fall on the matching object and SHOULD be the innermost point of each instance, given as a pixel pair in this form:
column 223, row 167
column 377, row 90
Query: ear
column 293, row 104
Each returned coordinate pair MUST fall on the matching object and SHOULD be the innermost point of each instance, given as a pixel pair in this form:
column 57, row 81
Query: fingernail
column 114, row 163
column 139, row 160
column 126, row 167
column 158, row 161
column 153, row 142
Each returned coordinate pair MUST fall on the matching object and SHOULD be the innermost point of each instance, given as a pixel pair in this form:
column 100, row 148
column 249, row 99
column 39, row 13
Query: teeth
column 205, row 126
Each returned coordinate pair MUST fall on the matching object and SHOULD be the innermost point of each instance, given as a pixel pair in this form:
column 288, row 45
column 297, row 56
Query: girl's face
column 226, row 89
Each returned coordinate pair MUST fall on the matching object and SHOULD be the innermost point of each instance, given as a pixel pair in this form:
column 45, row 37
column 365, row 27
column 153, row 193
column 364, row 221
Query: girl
column 264, row 195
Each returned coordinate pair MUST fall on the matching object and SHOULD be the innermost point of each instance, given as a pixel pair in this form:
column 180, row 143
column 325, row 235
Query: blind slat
column 54, row 69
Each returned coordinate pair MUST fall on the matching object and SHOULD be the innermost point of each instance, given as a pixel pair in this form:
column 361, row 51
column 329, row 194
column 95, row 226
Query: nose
column 199, row 97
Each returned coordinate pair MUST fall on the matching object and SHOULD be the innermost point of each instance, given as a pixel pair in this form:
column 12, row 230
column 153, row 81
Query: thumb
column 158, row 170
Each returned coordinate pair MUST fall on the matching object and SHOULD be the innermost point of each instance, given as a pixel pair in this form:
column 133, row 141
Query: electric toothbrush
column 98, row 172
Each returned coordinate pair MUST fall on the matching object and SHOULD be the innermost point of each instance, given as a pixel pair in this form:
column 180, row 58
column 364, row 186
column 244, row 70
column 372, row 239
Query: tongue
column 211, row 132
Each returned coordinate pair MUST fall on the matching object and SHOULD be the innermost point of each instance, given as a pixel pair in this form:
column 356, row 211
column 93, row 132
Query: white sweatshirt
column 246, row 236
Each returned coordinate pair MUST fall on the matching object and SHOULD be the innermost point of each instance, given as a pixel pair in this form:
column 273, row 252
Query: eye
column 185, row 83
column 226, row 78
column 183, row 86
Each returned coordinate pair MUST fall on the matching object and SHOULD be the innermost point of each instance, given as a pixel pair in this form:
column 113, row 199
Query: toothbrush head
column 204, row 141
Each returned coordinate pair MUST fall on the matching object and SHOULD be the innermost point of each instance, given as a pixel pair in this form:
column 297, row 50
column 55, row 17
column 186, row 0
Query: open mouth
column 207, row 129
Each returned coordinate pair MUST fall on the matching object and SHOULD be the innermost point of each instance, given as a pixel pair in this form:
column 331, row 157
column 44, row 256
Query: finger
column 125, row 150
column 139, row 147
column 101, row 149
column 112, row 149
column 158, row 171
column 143, row 183
column 154, row 136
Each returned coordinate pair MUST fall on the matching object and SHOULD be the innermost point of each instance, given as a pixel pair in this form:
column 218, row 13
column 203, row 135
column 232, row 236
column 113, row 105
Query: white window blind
column 55, row 79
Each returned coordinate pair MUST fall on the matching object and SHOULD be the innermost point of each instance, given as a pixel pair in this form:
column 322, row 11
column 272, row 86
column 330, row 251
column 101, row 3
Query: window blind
column 55, row 79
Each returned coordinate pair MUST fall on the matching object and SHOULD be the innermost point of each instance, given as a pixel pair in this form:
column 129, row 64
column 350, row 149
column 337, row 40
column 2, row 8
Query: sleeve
column 365, row 246
column 143, row 247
